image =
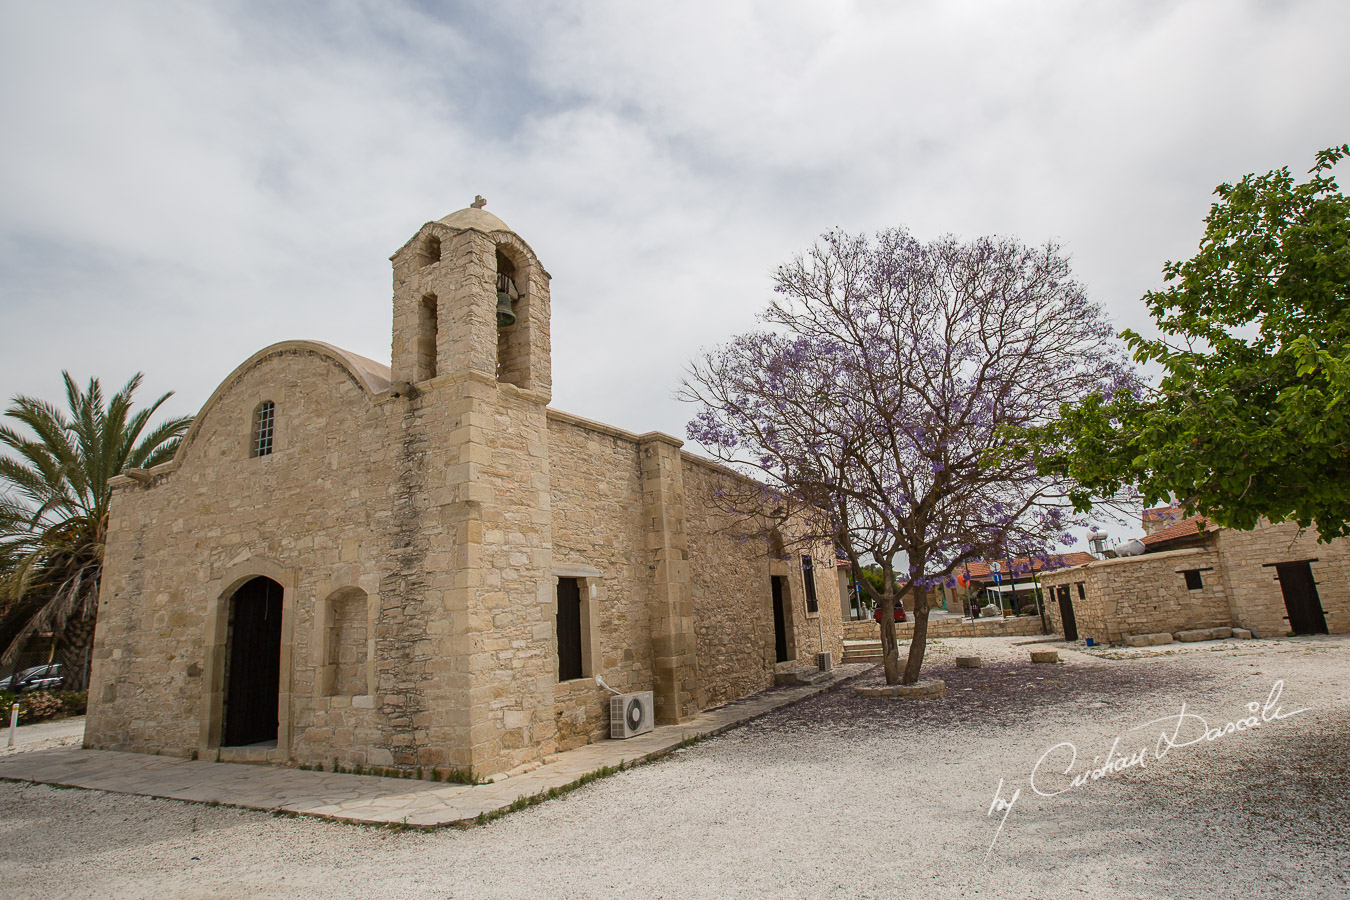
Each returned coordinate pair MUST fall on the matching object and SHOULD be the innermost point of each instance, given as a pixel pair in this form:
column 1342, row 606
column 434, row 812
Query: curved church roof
column 476, row 218
column 373, row 377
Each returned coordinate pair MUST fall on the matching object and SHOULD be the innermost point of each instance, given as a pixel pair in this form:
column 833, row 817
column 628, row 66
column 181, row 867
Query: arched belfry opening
column 428, row 333
column 512, row 342
column 253, row 664
column 430, row 252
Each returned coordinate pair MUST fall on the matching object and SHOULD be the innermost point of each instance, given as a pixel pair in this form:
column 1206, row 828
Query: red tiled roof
column 979, row 571
column 1191, row 527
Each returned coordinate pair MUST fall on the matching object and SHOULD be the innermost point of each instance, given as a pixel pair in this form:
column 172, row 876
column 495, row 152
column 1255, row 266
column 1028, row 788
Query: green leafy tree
column 1251, row 417
column 54, row 510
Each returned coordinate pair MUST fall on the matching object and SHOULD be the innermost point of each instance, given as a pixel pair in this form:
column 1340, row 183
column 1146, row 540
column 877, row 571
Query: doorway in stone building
column 253, row 664
column 1066, row 613
column 780, row 641
column 1301, row 598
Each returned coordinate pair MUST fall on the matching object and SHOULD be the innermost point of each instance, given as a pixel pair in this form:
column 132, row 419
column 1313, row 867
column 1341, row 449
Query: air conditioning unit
column 631, row 714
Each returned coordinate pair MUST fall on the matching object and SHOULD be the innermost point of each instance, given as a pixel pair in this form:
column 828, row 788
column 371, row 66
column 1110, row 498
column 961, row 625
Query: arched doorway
column 253, row 664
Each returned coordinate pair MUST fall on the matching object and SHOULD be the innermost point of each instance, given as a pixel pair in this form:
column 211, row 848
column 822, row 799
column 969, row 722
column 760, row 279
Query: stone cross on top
column 478, row 202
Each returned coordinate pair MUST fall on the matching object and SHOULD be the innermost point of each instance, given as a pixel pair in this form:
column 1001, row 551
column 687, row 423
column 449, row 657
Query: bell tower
column 471, row 339
column 470, row 295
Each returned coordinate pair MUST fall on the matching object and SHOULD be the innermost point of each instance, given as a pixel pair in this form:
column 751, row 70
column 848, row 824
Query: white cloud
column 185, row 184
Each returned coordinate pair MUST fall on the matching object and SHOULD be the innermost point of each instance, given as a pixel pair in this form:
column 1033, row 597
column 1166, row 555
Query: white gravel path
column 836, row 797
column 43, row 736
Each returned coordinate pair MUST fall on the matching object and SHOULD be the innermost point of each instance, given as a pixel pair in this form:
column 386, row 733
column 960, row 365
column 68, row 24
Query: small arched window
column 264, row 423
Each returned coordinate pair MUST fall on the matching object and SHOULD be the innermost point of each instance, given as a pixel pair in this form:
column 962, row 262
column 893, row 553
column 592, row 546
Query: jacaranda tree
column 54, row 510
column 875, row 405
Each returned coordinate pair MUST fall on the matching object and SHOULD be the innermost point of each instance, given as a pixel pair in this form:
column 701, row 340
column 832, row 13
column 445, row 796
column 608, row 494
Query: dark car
column 899, row 614
column 36, row 678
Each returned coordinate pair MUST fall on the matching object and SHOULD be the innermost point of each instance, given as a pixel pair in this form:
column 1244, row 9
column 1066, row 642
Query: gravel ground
column 835, row 797
column 43, row 736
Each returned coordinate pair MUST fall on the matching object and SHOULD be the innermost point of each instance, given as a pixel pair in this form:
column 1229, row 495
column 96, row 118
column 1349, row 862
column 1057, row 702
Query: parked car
column 899, row 614
column 36, row 678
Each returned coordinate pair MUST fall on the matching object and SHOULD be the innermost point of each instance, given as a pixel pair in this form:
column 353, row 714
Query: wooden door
column 253, row 679
column 779, row 620
column 1301, row 599
column 1066, row 614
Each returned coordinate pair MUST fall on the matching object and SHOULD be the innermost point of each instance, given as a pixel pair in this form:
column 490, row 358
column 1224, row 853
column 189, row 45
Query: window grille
column 263, row 427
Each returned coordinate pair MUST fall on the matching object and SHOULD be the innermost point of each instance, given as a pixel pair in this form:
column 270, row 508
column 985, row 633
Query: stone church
column 423, row 565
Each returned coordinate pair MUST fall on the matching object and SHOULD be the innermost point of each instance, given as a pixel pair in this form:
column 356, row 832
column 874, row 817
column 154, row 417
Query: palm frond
column 54, row 499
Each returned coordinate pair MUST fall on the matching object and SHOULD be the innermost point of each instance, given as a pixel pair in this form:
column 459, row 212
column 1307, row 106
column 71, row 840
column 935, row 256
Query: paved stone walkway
column 370, row 799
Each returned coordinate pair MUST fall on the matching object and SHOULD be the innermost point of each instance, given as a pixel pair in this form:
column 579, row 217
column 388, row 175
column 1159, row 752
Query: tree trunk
column 74, row 653
column 890, row 653
column 919, row 641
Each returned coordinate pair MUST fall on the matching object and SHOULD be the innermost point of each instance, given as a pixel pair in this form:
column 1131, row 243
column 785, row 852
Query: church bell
column 506, row 316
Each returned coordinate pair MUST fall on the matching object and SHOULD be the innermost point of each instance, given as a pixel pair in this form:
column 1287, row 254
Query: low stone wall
column 940, row 628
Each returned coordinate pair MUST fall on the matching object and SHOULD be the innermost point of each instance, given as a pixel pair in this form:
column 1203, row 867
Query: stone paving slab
column 372, row 799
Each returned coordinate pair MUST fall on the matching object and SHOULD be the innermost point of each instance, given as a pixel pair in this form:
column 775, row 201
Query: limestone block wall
column 729, row 588
column 1088, row 612
column 505, row 639
column 216, row 517
column 1142, row 595
column 1258, row 601
column 596, row 491
column 733, row 603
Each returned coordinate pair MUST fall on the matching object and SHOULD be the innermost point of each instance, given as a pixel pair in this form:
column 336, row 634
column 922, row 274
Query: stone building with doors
column 423, row 565
column 1272, row 580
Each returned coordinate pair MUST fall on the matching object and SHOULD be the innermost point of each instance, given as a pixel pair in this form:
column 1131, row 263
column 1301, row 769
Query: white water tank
column 1132, row 547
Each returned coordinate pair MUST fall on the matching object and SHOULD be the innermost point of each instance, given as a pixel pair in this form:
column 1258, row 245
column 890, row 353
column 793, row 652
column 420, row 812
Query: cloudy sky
column 185, row 183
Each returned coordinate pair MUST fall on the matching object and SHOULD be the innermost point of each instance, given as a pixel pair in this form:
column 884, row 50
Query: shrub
column 38, row 706
column 42, row 705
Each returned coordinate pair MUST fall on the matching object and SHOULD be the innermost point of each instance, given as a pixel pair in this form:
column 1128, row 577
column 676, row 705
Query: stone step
column 803, row 676
column 862, row 652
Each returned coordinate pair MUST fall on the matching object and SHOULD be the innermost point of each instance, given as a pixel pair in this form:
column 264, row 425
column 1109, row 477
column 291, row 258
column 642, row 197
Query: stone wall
column 1148, row 594
column 596, row 490
column 1258, row 601
column 733, row 596
column 1142, row 595
column 180, row 546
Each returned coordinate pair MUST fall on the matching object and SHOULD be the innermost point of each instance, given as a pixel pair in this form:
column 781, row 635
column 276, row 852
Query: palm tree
column 54, row 511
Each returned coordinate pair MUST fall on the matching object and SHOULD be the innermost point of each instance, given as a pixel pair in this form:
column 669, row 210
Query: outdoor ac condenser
column 631, row 714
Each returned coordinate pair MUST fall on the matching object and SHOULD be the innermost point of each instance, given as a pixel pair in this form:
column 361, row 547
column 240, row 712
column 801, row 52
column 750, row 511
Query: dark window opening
column 569, row 629
column 809, row 579
column 1082, row 594
column 264, row 421
column 1193, row 580
column 426, row 338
